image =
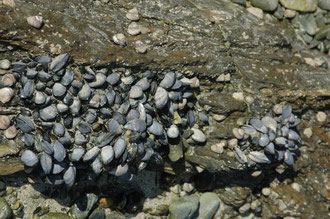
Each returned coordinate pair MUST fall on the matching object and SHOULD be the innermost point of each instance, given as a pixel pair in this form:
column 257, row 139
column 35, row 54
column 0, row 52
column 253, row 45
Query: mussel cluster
column 269, row 140
column 104, row 119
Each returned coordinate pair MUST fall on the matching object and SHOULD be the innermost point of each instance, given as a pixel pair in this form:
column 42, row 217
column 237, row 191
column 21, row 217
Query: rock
column 209, row 204
column 240, row 2
column 266, row 5
column 4, row 122
column 11, row 132
column 161, row 98
column 321, row 116
column 10, row 3
column 35, row 21
column 244, row 208
column 6, row 94
column 100, row 79
column 266, row 191
column 198, row 136
column 308, row 132
column 5, row 64
column 322, row 32
column 119, row 39
column 84, row 205
column 134, row 29
column 187, row 187
column 135, row 92
column 217, row 148
column 140, row 47
column 256, row 12
column 48, row 114
column 58, row 90
column 308, row 21
column 5, row 210
column 8, row 80
column 184, row 208
column 289, row 13
column 98, row 213
column 133, row 14
column 300, row 5
column 173, row 131
column 324, row 4
column 55, row 215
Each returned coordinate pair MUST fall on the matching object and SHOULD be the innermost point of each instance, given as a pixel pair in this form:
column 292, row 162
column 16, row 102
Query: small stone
column 8, row 80
column 277, row 109
column 35, row 21
column 249, row 99
column 209, row 204
column 11, row 132
column 221, row 78
column 184, row 207
column 59, row 62
column 173, row 131
column 4, row 122
column 238, row 96
column 295, row 186
column 134, row 29
column 232, row 143
column 321, row 116
column 218, row 117
column 198, row 136
column 256, row 12
column 324, row 4
column 244, row 208
column 100, row 80
column 140, row 47
column 47, row 114
column 161, row 98
column 135, row 92
column 58, row 90
column 308, row 132
column 5, row 211
column 217, row 148
column 133, row 15
column 85, row 92
column 289, row 13
column 5, row 64
column 266, row 5
column 187, row 187
column 266, row 191
column 6, row 94
column 300, row 5
column 119, row 39
column 10, row 3
column 238, row 133
column 256, row 173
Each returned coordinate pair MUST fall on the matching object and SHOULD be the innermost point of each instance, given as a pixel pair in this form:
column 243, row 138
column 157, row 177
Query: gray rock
column 161, row 98
column 168, row 80
column 113, row 78
column 96, row 166
column 266, row 5
column 119, row 147
column 258, row 157
column 100, row 79
column 29, row 158
column 39, row 98
column 91, row 154
column 5, row 211
column 173, row 131
column 264, row 140
column 300, row 5
column 322, row 32
column 59, row 151
column 120, row 170
column 62, row 108
column 59, row 62
column 46, row 163
column 58, row 90
column 198, row 136
column 137, row 125
column 279, row 13
column 84, row 205
column 28, row 89
column 59, row 129
column 5, row 64
column 85, row 92
column 69, row 176
column 209, row 203
column 156, row 128
column 258, row 125
column 309, row 23
column 30, row 74
column 79, row 139
column 48, row 114
column 75, row 107
column 67, row 77
column 59, row 167
column 144, row 83
column 135, row 92
column 24, row 124
column 184, row 207
column 324, row 4
column 77, row 154
column 107, row 154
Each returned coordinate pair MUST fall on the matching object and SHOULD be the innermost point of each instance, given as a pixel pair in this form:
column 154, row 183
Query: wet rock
column 84, row 205
column 8, row 80
column 300, row 5
column 5, row 211
column 35, row 21
column 266, row 5
column 185, row 207
column 209, row 204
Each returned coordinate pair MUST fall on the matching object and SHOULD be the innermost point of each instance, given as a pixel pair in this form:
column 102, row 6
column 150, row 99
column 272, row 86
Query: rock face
column 300, row 5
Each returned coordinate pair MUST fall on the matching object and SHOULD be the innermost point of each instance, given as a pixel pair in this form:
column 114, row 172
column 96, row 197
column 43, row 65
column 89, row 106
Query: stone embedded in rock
column 134, row 29
column 198, row 136
column 161, row 98
column 48, row 114
column 266, row 5
column 119, row 39
column 59, row 62
column 133, row 14
column 35, row 21
column 6, row 94
column 29, row 158
column 300, row 5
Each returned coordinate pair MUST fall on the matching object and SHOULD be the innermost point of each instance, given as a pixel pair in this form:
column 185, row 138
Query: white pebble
column 6, row 94
column 35, row 21
column 238, row 96
column 277, row 109
column 217, row 148
column 249, row 99
column 321, row 116
column 308, row 132
column 119, row 39
column 133, row 15
column 4, row 64
column 134, row 29
column 266, row 191
column 295, row 186
column 140, row 47
column 218, row 117
column 187, row 187
column 232, row 143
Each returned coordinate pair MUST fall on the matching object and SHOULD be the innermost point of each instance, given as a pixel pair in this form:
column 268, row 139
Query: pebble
column 232, row 143
column 119, row 39
column 4, row 122
column 10, row 3
column 198, row 136
column 133, row 14
column 295, row 186
column 140, row 47
column 277, row 109
column 187, row 187
column 173, row 131
column 256, row 12
column 289, row 13
column 299, row 5
column 29, row 158
column 249, row 99
column 266, row 191
column 100, row 80
column 6, row 94
column 6, row 212
column 238, row 96
column 266, row 5
column 35, row 21
column 135, row 92
column 324, row 4
column 209, row 204
column 5, row 64
column 8, row 80
column 134, row 29
column 58, row 90
column 47, row 114
column 59, row 62
column 238, row 133
column 308, row 132
column 120, row 170
column 244, row 208
column 217, row 148
column 85, row 92
column 321, row 116
column 218, row 117
column 11, row 132
column 184, row 207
